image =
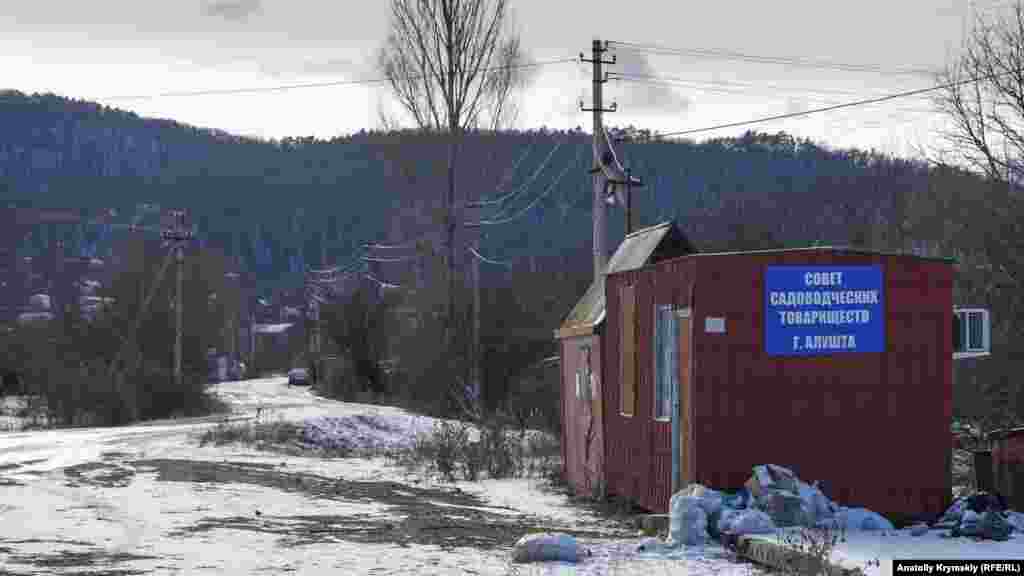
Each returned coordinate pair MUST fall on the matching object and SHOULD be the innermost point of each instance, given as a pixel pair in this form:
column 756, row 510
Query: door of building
column 685, row 392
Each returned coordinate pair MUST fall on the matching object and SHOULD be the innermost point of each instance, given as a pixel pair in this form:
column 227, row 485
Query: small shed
column 581, row 360
column 832, row 361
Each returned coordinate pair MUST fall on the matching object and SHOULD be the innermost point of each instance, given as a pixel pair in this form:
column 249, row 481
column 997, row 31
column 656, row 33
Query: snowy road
column 147, row 499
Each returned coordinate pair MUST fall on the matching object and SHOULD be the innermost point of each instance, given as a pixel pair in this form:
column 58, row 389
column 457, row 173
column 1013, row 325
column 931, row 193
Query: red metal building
column 582, row 359
column 872, row 419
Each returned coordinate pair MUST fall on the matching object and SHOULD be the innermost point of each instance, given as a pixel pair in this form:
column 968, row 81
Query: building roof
column 1014, row 433
column 271, row 328
column 638, row 249
column 839, row 249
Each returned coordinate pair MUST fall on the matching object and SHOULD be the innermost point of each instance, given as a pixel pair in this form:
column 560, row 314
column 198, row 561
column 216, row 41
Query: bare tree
column 984, row 97
column 453, row 66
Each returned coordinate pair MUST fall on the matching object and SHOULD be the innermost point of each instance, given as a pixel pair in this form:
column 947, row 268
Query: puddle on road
column 102, row 474
column 94, row 558
column 436, row 516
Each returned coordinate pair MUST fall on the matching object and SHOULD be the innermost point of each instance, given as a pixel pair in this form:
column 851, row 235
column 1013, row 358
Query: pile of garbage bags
column 981, row 515
column 773, row 497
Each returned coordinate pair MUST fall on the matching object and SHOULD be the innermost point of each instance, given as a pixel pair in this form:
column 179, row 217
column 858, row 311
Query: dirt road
column 148, row 499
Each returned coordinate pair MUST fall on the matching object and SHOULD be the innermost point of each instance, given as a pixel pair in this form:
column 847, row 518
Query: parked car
column 298, row 377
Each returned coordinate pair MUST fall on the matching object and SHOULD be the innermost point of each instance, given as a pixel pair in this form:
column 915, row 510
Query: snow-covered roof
column 26, row 317
column 271, row 328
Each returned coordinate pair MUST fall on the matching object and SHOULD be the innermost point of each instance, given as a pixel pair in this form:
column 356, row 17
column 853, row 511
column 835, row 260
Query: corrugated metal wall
column 582, row 428
column 638, row 457
column 875, row 427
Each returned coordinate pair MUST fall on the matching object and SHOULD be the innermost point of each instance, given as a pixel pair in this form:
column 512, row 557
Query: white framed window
column 972, row 333
column 666, row 359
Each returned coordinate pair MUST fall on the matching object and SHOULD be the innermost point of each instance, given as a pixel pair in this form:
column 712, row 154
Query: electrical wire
column 400, row 259
column 326, row 84
column 704, row 87
column 529, row 206
column 380, row 282
column 508, row 177
column 511, row 196
column 853, row 104
column 752, row 58
column 483, row 258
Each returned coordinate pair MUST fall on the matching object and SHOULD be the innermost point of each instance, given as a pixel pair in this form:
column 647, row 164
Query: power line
column 399, row 259
column 529, row 206
column 326, row 84
column 380, row 282
column 512, row 172
column 702, row 85
column 752, row 58
column 483, row 258
column 887, row 98
column 533, row 177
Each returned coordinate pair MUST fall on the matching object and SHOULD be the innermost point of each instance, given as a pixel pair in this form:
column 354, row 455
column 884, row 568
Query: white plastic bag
column 751, row 521
column 546, row 547
column 1015, row 519
column 862, row 519
column 688, row 522
column 815, row 503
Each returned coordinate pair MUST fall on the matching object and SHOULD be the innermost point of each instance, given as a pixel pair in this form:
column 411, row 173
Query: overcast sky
column 102, row 49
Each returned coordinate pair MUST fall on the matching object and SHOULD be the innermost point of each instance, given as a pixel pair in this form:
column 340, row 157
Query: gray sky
column 105, row 48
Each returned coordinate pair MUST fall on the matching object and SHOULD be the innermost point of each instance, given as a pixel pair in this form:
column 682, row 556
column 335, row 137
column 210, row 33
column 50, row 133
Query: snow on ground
column 528, row 496
column 862, row 547
column 149, row 498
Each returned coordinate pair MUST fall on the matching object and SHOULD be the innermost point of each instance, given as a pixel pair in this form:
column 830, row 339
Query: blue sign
column 819, row 310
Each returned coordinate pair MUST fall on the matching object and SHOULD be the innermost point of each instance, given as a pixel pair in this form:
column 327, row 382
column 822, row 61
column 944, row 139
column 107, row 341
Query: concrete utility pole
column 600, row 234
column 178, row 233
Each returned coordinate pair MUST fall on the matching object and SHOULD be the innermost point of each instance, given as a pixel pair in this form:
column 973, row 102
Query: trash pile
column 775, row 498
column 772, row 498
column 982, row 516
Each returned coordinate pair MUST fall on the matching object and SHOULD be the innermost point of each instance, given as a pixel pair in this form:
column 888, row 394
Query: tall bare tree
column 984, row 101
column 987, row 115
column 453, row 66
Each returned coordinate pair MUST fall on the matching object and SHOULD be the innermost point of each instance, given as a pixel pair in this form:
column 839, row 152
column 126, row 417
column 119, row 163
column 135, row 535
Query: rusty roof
column 635, row 251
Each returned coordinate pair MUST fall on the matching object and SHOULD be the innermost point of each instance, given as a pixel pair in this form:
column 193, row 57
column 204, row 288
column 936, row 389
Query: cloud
column 638, row 90
column 233, row 10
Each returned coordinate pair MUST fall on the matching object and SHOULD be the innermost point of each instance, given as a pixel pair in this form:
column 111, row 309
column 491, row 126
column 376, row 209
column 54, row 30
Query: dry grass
column 279, row 436
column 460, row 450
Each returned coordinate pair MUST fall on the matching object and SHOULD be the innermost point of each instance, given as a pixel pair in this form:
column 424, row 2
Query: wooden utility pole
column 177, row 233
column 600, row 234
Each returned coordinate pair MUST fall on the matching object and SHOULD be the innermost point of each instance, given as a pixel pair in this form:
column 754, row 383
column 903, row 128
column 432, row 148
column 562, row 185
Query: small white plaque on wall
column 714, row 325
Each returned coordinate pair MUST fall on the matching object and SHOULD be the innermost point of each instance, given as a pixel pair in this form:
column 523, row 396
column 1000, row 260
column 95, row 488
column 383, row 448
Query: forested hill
column 280, row 203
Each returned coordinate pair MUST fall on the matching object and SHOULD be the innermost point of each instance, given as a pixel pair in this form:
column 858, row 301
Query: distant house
column 273, row 344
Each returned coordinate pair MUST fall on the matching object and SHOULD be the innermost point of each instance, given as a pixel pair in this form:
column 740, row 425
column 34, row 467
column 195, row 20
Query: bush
column 463, row 450
column 282, row 436
column 813, row 547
